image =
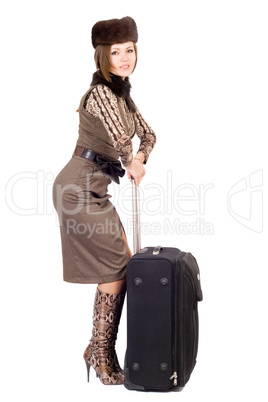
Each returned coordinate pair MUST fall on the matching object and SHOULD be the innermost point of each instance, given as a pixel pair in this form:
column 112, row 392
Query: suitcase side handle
column 157, row 250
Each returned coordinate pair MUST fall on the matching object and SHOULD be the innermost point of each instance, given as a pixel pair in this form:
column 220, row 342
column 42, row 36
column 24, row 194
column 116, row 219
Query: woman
column 94, row 245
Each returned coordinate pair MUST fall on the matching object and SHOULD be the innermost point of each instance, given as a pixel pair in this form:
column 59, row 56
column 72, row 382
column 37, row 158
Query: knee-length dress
column 93, row 249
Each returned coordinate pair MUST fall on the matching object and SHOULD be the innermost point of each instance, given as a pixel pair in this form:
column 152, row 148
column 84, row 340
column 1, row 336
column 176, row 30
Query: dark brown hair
column 102, row 59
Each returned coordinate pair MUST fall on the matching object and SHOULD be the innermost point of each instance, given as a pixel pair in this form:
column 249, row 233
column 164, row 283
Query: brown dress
column 93, row 248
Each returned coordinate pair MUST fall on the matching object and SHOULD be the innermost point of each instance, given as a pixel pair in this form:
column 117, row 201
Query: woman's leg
column 112, row 287
column 100, row 352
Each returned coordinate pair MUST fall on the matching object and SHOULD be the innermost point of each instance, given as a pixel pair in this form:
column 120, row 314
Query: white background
column 201, row 83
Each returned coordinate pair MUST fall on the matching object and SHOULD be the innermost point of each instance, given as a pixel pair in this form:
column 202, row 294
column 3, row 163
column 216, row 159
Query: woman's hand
column 136, row 169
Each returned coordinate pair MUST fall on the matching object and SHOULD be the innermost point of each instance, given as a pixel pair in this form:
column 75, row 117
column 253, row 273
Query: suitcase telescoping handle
column 136, row 221
column 136, row 217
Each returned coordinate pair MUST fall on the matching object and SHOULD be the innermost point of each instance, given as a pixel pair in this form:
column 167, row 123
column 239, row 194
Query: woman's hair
column 103, row 59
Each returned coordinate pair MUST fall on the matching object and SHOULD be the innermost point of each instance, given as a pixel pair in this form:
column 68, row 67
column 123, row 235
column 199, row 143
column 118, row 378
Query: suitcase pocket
column 190, row 328
column 149, row 358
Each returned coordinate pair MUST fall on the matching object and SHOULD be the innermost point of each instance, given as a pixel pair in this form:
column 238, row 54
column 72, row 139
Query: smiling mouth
column 125, row 67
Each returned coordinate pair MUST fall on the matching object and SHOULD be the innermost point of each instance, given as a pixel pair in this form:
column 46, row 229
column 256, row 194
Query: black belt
column 113, row 169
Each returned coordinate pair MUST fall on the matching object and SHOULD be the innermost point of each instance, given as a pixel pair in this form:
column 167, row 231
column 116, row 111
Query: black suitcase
column 163, row 289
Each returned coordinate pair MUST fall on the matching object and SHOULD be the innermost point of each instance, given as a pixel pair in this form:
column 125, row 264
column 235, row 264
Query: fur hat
column 114, row 31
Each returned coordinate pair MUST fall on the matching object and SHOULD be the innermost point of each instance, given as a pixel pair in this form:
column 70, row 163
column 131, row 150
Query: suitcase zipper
column 174, row 376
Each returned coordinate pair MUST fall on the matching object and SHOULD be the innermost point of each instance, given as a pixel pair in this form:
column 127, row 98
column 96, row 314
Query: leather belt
column 112, row 169
column 85, row 153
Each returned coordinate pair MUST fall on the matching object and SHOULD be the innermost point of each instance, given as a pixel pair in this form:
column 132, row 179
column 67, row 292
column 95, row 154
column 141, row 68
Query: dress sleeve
column 146, row 135
column 102, row 103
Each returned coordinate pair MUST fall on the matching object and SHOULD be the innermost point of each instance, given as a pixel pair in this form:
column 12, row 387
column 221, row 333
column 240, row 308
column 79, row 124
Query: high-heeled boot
column 100, row 353
column 113, row 338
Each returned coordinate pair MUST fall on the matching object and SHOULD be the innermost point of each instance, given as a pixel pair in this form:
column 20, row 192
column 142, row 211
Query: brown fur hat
column 114, row 31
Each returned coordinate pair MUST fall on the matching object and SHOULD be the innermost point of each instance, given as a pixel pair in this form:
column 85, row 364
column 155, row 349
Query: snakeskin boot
column 117, row 317
column 100, row 353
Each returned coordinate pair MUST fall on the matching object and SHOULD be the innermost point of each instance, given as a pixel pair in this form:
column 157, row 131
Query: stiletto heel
column 88, row 368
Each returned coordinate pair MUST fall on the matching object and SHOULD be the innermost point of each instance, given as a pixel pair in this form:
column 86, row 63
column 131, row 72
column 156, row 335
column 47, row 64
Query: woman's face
column 123, row 58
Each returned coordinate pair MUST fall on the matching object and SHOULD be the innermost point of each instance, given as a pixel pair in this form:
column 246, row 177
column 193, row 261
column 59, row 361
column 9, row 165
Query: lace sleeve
column 146, row 135
column 102, row 103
